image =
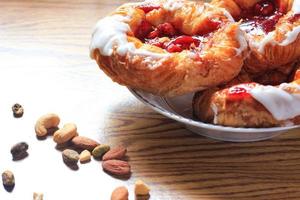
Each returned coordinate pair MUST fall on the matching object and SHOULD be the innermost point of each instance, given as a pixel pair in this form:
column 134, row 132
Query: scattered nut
column 117, row 153
column 100, row 150
column 19, row 151
column 8, row 179
column 18, row 110
column 85, row 156
column 120, row 193
column 82, row 142
column 46, row 122
column 38, row 196
column 141, row 189
column 70, row 157
column 117, row 167
column 65, row 134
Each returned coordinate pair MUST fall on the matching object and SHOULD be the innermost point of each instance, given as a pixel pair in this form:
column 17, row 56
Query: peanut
column 65, row 134
column 120, row 193
column 45, row 122
column 141, row 189
column 85, row 156
column 38, row 196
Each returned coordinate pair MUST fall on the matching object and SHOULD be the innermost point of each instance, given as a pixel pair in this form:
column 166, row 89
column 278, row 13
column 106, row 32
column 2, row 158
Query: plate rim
column 200, row 124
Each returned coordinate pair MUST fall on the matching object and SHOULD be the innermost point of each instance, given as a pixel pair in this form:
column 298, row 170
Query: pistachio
column 100, row 150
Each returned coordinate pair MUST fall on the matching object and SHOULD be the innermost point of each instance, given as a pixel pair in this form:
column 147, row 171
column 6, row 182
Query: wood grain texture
column 45, row 66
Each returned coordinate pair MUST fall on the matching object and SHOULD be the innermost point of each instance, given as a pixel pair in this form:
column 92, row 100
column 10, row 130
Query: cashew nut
column 65, row 134
column 45, row 122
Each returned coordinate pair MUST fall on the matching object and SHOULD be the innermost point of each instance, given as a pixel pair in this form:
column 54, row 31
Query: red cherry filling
column 264, row 16
column 166, row 36
column 156, row 42
column 264, row 8
column 238, row 93
column 185, row 42
column 148, row 8
column 212, row 25
column 153, row 34
column 166, row 29
column 181, row 43
column 143, row 30
column 172, row 48
column 294, row 18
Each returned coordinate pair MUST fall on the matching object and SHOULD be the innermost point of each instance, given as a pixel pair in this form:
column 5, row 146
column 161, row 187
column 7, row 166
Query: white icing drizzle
column 225, row 12
column 291, row 36
column 200, row 9
column 280, row 103
column 267, row 39
column 110, row 32
column 296, row 7
column 215, row 111
column 243, row 42
column 173, row 5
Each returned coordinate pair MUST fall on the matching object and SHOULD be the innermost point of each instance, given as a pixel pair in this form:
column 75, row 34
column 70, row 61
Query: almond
column 85, row 143
column 120, row 193
column 117, row 153
column 116, row 167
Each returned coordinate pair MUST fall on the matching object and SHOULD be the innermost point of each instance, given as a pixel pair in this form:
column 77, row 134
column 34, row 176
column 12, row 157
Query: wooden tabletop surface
column 45, row 66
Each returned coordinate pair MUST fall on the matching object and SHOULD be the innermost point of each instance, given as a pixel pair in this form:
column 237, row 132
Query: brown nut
column 85, row 143
column 120, row 193
column 18, row 110
column 116, row 167
column 45, row 122
column 141, row 189
column 8, row 178
column 117, row 153
column 70, row 157
column 65, row 134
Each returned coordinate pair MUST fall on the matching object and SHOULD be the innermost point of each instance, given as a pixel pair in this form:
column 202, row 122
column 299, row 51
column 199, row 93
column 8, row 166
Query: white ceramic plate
column 180, row 109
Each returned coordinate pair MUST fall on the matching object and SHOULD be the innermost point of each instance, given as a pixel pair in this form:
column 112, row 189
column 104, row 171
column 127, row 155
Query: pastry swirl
column 169, row 47
column 251, row 104
column 272, row 29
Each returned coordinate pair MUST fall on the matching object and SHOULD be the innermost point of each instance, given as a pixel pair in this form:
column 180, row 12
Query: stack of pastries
column 239, row 57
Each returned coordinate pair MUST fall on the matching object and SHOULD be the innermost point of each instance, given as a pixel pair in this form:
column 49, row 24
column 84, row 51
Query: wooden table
column 45, row 66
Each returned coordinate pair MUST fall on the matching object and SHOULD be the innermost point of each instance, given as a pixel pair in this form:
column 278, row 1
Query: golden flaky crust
column 275, row 76
column 215, row 106
column 246, row 113
column 273, row 54
column 218, row 62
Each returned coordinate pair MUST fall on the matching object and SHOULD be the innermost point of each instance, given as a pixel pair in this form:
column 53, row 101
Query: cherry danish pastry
column 272, row 28
column 169, row 47
column 251, row 104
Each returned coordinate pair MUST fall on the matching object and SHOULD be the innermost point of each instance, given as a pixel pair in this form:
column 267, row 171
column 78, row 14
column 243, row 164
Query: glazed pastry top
column 113, row 31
